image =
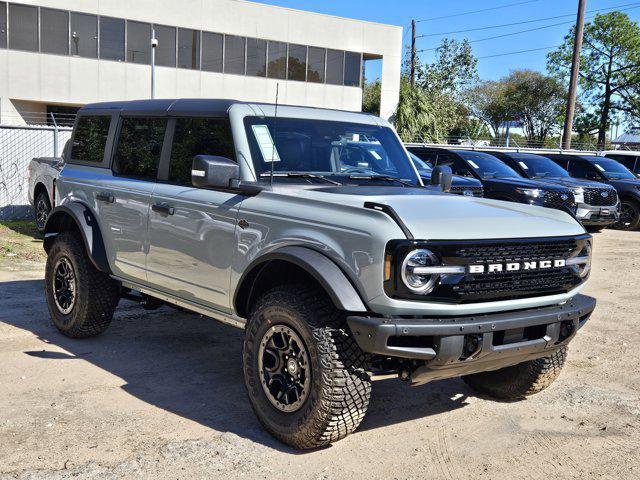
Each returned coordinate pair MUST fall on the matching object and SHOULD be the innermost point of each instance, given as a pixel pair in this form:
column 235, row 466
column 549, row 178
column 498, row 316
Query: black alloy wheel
column 629, row 215
column 41, row 211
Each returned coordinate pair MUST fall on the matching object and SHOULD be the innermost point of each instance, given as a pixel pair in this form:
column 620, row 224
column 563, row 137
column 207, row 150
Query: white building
column 100, row 50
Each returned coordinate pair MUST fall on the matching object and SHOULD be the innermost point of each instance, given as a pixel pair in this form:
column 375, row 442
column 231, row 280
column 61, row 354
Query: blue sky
column 400, row 12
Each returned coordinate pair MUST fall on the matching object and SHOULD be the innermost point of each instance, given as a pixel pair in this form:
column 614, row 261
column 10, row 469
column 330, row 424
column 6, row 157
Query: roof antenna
column 275, row 123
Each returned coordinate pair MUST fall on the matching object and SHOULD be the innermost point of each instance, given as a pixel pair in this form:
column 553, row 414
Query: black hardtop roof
column 181, row 106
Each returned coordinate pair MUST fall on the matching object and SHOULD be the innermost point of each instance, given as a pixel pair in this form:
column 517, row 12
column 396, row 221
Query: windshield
column 611, row 169
column 537, row 166
column 487, row 166
column 421, row 165
column 337, row 150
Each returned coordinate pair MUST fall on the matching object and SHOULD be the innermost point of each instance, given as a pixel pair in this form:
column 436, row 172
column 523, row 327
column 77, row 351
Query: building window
column 335, row 67
column 3, row 25
column 352, row 72
column 54, row 31
column 139, row 147
column 212, row 47
column 166, row 49
column 188, row 48
column 234, row 50
column 138, row 42
column 90, row 138
column 23, row 34
column 112, row 39
column 297, row 66
column 315, row 65
column 277, row 60
column 198, row 136
column 256, row 57
column 84, row 35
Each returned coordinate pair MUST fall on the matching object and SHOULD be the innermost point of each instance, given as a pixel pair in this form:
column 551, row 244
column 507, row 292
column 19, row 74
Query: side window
column 626, row 160
column 139, row 147
column 581, row 170
column 198, row 136
column 90, row 138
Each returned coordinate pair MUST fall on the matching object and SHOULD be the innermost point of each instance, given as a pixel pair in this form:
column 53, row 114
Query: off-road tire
column 97, row 294
column 521, row 380
column 340, row 383
column 41, row 204
column 635, row 221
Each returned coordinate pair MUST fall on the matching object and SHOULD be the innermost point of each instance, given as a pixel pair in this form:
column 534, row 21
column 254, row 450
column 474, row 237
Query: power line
column 523, row 31
column 489, row 27
column 476, row 11
column 519, row 51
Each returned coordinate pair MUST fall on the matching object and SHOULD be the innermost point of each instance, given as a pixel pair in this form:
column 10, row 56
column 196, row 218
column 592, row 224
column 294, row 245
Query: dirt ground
column 160, row 395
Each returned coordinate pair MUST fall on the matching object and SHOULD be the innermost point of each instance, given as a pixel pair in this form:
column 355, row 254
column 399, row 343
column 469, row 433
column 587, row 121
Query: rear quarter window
column 90, row 138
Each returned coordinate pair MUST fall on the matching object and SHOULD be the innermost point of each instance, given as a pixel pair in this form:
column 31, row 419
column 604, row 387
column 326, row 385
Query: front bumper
column 593, row 215
column 453, row 346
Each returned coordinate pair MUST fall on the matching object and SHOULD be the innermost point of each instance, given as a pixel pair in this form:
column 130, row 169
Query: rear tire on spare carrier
column 521, row 380
column 306, row 377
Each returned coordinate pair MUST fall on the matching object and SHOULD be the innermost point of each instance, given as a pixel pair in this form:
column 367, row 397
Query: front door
column 192, row 231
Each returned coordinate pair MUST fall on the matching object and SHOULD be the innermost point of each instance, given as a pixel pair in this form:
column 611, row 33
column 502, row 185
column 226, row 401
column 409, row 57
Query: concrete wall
column 46, row 78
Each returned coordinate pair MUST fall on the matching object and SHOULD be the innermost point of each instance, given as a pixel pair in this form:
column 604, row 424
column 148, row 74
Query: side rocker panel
column 85, row 221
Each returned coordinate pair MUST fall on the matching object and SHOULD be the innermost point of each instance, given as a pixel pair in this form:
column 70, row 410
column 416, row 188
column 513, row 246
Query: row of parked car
column 599, row 190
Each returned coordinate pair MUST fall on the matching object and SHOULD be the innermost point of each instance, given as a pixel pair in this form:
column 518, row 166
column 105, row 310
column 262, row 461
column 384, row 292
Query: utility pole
column 154, row 44
column 413, row 52
column 575, row 71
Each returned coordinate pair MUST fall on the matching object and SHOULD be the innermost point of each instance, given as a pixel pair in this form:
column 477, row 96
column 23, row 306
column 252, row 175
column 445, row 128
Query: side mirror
column 441, row 175
column 213, row 171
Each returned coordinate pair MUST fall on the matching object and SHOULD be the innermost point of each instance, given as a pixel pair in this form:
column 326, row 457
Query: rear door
column 123, row 205
column 191, row 230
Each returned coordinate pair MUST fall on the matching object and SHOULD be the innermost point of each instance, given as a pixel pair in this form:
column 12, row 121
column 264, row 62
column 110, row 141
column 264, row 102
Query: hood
column 626, row 184
column 434, row 215
column 571, row 182
column 523, row 183
column 456, row 181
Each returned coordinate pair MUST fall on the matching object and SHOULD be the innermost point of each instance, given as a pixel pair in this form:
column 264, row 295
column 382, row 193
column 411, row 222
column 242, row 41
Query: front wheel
column 521, row 380
column 629, row 215
column 306, row 377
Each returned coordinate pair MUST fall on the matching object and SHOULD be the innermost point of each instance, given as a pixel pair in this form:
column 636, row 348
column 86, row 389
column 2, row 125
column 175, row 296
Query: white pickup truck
column 43, row 173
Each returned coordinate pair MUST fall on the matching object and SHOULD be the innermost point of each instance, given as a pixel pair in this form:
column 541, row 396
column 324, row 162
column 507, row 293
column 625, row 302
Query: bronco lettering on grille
column 515, row 266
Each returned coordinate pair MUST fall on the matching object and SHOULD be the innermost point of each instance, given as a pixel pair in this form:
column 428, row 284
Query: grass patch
column 20, row 242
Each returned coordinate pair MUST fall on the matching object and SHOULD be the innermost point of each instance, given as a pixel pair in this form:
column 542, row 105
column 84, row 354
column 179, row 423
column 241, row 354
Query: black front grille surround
column 600, row 197
column 560, row 199
column 477, row 191
column 474, row 288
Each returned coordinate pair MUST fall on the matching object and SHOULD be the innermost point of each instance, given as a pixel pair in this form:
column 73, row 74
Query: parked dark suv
column 628, row 158
column 609, row 171
column 500, row 181
column 467, row 186
column 597, row 203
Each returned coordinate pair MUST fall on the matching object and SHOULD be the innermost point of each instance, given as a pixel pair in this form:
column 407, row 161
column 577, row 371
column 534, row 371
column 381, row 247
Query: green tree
column 453, row 70
column 609, row 66
column 488, row 102
column 538, row 101
column 371, row 97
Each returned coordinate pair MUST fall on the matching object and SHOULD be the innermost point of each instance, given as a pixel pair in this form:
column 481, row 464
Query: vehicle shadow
column 191, row 366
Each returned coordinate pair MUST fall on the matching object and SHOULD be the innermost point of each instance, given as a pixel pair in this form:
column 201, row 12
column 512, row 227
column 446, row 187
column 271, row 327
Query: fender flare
column 330, row 277
column 86, row 222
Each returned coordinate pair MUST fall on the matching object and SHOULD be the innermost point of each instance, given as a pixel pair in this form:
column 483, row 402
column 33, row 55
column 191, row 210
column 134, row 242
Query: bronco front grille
column 475, row 191
column 494, row 285
column 559, row 199
column 600, row 197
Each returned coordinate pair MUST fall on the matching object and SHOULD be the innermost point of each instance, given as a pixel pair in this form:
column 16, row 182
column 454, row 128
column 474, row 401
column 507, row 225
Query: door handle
column 105, row 197
column 163, row 208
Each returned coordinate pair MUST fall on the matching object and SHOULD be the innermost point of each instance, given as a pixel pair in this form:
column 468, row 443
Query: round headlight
column 414, row 280
column 583, row 267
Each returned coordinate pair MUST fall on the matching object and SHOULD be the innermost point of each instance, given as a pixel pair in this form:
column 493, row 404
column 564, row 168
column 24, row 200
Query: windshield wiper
column 300, row 175
column 387, row 178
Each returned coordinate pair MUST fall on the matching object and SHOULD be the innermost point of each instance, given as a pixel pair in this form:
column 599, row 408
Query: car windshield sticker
column 523, row 165
column 599, row 167
column 473, row 164
column 265, row 142
column 375, row 154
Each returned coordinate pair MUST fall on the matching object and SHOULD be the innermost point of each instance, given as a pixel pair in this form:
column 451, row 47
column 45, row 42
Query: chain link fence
column 18, row 145
column 466, row 141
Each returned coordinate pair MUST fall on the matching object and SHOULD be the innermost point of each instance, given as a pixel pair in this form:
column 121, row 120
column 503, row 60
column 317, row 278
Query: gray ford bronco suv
column 310, row 229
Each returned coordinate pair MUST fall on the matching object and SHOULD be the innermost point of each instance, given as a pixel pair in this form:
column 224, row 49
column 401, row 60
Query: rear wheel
column 41, row 209
column 306, row 377
column 629, row 215
column 81, row 299
column 521, row 380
